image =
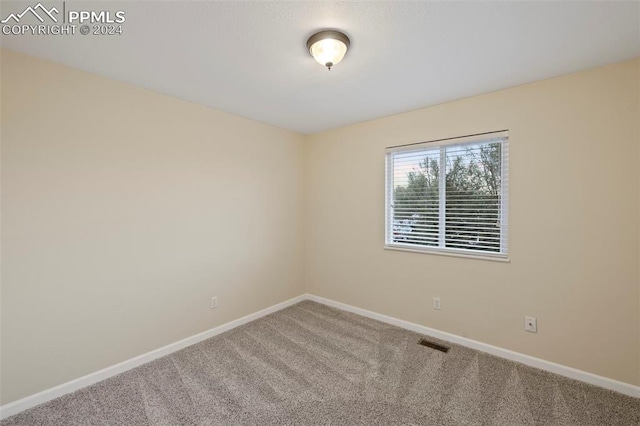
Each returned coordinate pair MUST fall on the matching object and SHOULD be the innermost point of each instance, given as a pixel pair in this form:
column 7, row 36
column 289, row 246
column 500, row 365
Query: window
column 449, row 196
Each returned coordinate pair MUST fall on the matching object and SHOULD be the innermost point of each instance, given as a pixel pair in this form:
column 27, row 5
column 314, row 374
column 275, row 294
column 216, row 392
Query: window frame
column 389, row 244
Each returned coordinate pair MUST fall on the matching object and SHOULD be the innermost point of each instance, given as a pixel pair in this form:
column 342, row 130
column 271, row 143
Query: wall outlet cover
column 531, row 324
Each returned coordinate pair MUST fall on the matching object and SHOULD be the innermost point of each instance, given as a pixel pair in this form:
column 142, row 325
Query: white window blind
column 449, row 196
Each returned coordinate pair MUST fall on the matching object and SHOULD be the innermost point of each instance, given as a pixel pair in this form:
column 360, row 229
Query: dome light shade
column 328, row 47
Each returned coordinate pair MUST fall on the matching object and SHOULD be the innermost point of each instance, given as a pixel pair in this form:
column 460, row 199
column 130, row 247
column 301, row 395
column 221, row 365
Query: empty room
column 320, row 213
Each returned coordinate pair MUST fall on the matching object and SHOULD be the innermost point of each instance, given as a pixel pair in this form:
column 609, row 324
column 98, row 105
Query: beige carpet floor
column 314, row 365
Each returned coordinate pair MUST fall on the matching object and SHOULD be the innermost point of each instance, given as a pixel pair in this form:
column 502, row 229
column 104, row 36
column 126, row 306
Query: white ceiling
column 249, row 58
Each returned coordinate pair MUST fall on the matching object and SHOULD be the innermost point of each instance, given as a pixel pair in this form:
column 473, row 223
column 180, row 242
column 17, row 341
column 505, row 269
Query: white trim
column 388, row 195
column 15, row 407
column 459, row 140
column 504, row 201
column 441, row 146
column 469, row 254
column 563, row 370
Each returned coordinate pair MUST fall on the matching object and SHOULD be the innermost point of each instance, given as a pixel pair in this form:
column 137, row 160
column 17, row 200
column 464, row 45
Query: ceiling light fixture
column 328, row 47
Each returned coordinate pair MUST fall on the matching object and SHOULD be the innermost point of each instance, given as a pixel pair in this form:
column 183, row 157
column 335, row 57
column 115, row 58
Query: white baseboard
column 15, row 407
column 583, row 376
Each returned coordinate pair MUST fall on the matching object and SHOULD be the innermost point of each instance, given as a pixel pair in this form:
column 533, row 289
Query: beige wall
column 123, row 212
column 573, row 205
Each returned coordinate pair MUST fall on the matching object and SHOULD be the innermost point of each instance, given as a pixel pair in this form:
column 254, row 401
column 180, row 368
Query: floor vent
column 433, row 345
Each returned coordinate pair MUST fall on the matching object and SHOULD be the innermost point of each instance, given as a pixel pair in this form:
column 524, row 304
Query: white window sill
column 451, row 253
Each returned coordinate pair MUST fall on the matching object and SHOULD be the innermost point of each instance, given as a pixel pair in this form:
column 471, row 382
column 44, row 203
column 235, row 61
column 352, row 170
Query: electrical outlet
column 436, row 303
column 530, row 324
column 214, row 302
